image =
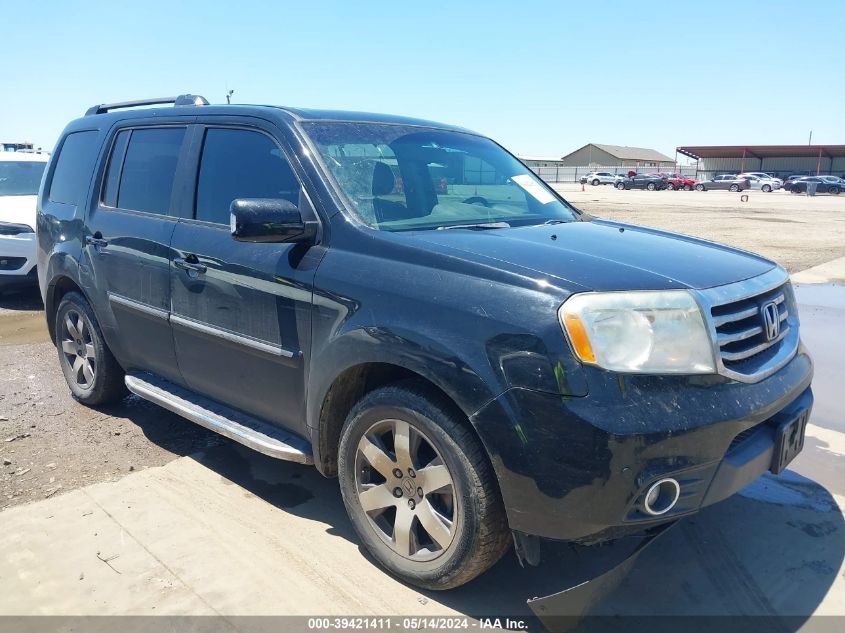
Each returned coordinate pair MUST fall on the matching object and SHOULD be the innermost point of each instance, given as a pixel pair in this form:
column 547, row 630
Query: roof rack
column 181, row 100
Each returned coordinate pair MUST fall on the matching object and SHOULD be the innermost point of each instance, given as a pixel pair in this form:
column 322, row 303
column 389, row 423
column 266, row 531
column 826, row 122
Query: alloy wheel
column 406, row 490
column 78, row 349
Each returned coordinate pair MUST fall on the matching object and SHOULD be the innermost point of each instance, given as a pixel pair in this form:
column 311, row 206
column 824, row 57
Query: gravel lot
column 53, row 444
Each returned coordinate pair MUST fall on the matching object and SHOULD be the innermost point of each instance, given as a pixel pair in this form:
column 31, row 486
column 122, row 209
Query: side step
column 237, row 426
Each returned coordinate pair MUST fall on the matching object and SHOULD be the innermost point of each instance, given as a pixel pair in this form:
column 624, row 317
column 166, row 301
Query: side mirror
column 269, row 220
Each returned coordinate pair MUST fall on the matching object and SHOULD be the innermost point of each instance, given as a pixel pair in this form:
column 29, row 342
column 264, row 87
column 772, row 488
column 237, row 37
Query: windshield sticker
column 534, row 188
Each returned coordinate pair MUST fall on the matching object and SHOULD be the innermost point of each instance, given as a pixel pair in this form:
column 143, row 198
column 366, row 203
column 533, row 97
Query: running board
column 237, row 426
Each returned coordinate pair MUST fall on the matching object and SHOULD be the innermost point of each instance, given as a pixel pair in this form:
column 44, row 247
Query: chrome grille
column 735, row 314
column 739, row 327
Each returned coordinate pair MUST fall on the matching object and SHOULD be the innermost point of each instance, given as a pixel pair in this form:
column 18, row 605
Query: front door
column 241, row 312
column 129, row 244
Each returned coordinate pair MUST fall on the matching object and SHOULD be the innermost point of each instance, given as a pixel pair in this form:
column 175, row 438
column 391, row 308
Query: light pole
column 229, row 96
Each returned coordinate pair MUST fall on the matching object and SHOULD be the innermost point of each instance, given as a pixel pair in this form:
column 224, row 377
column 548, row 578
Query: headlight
column 654, row 332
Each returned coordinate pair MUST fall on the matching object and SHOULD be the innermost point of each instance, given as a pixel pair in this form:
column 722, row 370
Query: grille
column 744, row 435
column 743, row 344
column 11, row 263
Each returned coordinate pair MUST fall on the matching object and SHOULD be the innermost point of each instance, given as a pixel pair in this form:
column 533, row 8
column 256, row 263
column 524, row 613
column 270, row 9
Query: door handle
column 96, row 240
column 190, row 266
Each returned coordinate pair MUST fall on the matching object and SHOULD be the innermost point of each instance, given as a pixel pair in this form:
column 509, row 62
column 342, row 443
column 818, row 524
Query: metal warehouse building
column 780, row 160
column 600, row 155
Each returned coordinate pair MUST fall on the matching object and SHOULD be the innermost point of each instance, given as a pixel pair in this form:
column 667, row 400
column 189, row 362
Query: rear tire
column 670, row 187
column 689, row 188
column 90, row 369
column 453, row 531
column 834, row 191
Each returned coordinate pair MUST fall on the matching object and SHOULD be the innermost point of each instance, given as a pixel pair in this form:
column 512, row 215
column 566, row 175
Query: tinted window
column 73, row 167
column 111, row 183
column 149, row 169
column 20, row 178
column 240, row 164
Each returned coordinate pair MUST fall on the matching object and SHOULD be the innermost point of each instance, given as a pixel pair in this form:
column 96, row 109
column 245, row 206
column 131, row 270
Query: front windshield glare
column 400, row 178
column 20, row 178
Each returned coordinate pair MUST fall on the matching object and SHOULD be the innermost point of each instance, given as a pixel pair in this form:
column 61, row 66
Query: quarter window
column 73, row 168
column 239, row 163
column 149, row 169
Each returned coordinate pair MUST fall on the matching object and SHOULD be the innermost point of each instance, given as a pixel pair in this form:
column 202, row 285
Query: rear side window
column 239, row 163
column 73, row 168
column 149, row 169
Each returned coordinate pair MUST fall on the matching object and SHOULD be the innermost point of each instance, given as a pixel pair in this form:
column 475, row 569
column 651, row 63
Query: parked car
column 788, row 182
column 479, row 367
column 725, row 181
column 763, row 182
column 677, row 182
column 599, row 178
column 20, row 175
column 822, row 185
column 652, row 182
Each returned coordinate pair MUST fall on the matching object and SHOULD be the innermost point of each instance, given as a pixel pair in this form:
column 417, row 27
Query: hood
column 18, row 209
column 602, row 255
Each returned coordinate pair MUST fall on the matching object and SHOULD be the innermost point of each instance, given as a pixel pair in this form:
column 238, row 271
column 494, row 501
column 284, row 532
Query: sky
column 542, row 78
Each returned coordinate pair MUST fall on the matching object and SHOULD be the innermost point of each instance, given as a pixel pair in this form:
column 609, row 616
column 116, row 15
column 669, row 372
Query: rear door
column 241, row 312
column 128, row 243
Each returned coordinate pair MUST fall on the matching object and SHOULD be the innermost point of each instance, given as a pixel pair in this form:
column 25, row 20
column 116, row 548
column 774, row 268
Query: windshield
column 407, row 178
column 20, row 178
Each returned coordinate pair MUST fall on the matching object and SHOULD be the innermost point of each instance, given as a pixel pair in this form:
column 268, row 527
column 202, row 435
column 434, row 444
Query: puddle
column 821, row 295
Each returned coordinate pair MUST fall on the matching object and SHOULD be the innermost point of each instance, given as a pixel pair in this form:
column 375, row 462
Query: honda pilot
column 406, row 306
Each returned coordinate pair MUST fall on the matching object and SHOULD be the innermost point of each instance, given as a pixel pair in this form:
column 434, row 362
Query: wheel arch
column 353, row 383
column 58, row 287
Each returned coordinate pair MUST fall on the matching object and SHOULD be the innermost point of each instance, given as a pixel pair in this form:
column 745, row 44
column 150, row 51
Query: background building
column 598, row 155
column 781, row 160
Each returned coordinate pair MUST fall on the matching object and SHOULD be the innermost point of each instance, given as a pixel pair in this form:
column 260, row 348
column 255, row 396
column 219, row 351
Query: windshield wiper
column 479, row 227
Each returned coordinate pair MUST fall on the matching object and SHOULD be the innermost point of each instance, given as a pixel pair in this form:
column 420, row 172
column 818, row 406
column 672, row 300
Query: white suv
column 759, row 180
column 20, row 177
column 600, row 178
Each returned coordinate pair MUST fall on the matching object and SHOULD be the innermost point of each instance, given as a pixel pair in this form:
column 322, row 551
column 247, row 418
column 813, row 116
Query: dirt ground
column 50, row 444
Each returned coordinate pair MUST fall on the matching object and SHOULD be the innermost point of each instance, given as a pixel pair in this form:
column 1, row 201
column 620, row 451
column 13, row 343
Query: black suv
column 408, row 307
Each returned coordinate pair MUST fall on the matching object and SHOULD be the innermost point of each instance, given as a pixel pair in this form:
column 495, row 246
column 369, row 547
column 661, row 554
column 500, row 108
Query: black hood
column 602, row 255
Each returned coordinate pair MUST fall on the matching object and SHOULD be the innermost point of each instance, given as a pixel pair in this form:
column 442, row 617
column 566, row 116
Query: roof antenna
column 229, row 94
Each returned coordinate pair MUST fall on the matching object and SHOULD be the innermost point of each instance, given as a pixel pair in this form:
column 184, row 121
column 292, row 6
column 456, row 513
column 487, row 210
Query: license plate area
column 789, row 440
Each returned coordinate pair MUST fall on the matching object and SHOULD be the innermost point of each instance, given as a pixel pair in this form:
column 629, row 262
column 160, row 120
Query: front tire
column 595, row 182
column 90, row 369
column 689, row 188
column 620, row 185
column 699, row 187
column 670, row 187
column 419, row 489
column 651, row 186
column 767, row 188
column 735, row 188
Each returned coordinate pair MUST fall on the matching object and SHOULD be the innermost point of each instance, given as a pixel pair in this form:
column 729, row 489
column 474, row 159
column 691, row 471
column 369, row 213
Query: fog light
column 661, row 497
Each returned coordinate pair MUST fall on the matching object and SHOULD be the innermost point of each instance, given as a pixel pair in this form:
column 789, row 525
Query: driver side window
column 238, row 163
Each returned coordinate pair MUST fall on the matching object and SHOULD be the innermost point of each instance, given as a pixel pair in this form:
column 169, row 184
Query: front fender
column 467, row 384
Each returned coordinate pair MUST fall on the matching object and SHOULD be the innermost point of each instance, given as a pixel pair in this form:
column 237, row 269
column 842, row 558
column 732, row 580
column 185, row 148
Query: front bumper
column 17, row 260
column 576, row 468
